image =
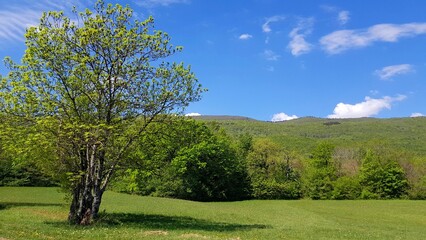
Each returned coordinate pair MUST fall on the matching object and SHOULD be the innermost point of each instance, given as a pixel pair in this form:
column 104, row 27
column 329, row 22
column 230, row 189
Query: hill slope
column 405, row 134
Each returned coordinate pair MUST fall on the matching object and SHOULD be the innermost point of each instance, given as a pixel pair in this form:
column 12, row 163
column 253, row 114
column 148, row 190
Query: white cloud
column 298, row 45
column 390, row 71
column 368, row 108
column 270, row 55
column 343, row 17
column 266, row 26
column 245, row 36
column 417, row 115
column 342, row 40
column 162, row 3
column 192, row 115
column 282, row 117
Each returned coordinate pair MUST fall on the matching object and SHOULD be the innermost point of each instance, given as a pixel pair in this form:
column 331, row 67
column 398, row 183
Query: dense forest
column 231, row 158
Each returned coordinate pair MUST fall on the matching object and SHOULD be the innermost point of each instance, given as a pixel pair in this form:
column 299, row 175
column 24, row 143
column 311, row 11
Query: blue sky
column 278, row 60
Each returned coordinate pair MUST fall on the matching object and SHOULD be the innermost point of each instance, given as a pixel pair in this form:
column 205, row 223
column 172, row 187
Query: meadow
column 40, row 213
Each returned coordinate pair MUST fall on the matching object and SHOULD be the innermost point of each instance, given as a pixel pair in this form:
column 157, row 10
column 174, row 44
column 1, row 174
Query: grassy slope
column 39, row 213
column 407, row 134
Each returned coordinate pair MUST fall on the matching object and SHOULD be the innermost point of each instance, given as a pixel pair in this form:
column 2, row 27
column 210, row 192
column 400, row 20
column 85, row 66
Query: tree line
column 199, row 161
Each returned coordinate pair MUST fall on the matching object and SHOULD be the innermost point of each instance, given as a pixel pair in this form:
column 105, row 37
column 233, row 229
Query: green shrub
column 346, row 188
column 276, row 190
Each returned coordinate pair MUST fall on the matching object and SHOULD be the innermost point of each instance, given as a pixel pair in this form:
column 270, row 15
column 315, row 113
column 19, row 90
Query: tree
column 382, row 177
column 91, row 86
column 321, row 172
column 188, row 160
column 211, row 171
column 271, row 171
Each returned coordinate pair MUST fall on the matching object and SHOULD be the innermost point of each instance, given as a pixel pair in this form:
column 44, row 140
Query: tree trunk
column 97, row 199
column 85, row 206
column 87, row 192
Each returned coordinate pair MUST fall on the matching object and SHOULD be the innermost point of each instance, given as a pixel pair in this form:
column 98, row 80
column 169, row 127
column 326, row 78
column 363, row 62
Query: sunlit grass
column 40, row 213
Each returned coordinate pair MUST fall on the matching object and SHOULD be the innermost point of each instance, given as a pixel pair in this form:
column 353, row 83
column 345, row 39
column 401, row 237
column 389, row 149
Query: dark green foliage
column 26, row 174
column 382, row 177
column 189, row 160
column 210, row 170
column 271, row 189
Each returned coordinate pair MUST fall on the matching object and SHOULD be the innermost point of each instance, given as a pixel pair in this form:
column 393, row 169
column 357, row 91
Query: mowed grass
column 40, row 213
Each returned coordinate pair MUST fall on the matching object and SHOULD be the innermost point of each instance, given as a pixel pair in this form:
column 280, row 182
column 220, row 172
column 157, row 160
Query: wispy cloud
column 343, row 17
column 417, row 115
column 298, row 45
column 13, row 23
column 328, row 8
column 245, row 36
column 270, row 55
column 266, row 26
column 17, row 16
column 159, row 3
column 340, row 41
column 391, row 71
column 368, row 108
column 279, row 117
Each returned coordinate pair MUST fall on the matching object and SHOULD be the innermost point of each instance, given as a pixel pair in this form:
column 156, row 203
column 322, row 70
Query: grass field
column 40, row 213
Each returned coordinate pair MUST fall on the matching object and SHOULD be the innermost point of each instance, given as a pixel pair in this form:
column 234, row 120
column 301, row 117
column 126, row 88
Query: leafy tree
column 91, row 87
column 321, row 172
column 382, row 177
column 271, row 172
column 188, row 160
column 211, row 170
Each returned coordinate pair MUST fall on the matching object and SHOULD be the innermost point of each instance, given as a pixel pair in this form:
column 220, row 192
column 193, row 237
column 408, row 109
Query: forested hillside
column 303, row 134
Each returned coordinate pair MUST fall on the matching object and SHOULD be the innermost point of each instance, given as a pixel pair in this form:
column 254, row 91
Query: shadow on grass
column 155, row 222
column 6, row 205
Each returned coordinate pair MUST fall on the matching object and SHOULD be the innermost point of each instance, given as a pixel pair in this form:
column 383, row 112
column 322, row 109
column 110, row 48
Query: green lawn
column 40, row 213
